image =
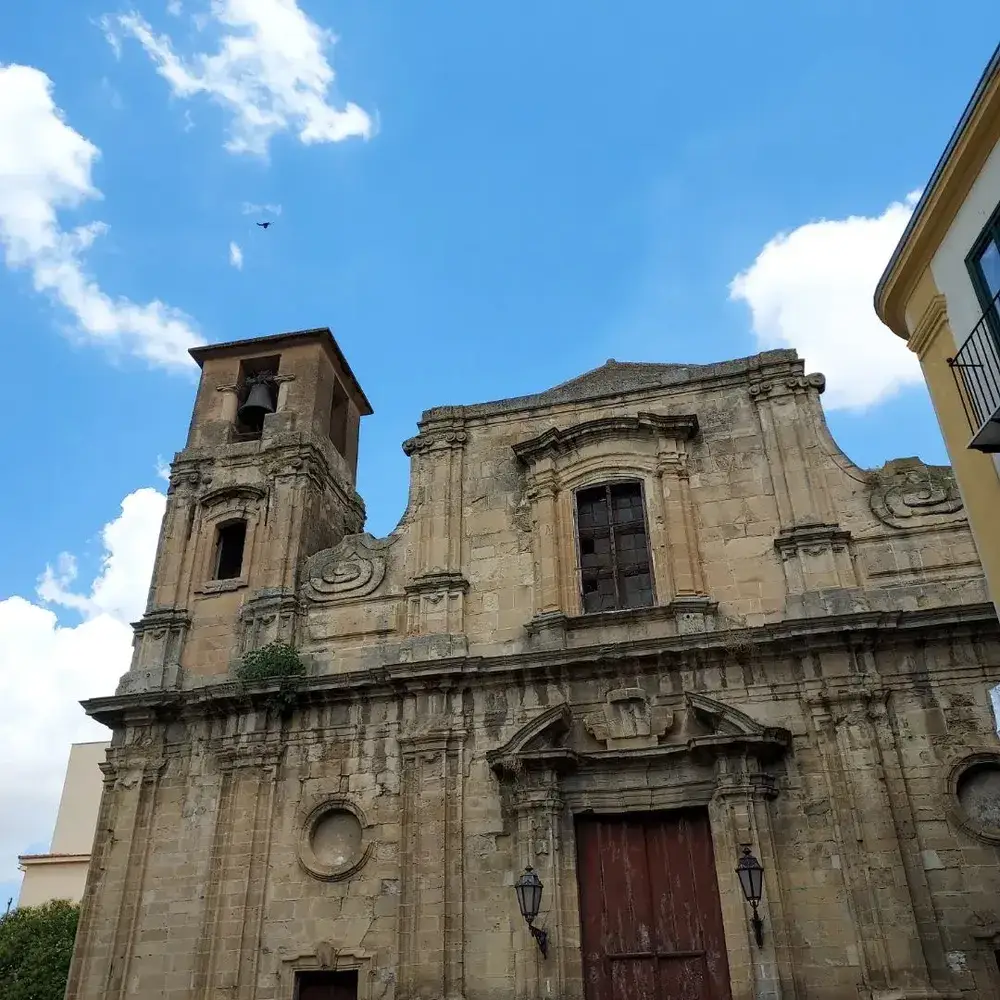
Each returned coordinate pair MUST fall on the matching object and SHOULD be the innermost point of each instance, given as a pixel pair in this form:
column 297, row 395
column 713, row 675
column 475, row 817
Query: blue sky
column 486, row 200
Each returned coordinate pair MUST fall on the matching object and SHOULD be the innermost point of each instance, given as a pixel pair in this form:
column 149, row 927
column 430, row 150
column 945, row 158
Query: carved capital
column 787, row 386
column 440, row 440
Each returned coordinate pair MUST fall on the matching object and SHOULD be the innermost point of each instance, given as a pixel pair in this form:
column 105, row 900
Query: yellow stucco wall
column 931, row 338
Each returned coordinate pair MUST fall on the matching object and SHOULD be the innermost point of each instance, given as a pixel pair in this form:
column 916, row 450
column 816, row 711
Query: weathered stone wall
column 815, row 673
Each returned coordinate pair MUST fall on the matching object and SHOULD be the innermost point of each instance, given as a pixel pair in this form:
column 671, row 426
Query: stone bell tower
column 266, row 479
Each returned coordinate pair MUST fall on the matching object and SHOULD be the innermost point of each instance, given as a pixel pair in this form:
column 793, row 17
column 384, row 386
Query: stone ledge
column 834, row 632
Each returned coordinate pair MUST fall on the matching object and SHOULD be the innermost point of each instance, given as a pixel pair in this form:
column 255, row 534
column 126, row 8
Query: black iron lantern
column 529, row 899
column 751, row 876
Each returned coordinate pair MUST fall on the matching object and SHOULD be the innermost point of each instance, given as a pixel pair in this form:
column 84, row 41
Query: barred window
column 615, row 566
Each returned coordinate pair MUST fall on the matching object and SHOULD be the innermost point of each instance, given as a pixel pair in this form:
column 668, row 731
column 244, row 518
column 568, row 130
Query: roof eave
column 889, row 298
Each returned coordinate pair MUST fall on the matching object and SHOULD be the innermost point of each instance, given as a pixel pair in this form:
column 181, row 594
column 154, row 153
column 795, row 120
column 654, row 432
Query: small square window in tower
column 615, row 571
column 327, row 985
column 230, row 542
column 258, row 396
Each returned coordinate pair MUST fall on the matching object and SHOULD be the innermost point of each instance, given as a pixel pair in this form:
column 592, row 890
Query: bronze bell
column 258, row 404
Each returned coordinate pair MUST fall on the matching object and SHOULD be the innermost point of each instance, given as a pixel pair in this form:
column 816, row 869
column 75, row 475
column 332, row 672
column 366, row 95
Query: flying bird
column 263, row 225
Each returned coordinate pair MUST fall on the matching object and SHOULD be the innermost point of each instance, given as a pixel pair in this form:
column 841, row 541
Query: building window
column 230, row 542
column 327, row 985
column 338, row 419
column 615, row 569
column 984, row 263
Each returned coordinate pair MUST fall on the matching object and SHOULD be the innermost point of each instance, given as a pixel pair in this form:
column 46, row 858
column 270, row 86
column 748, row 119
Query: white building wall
column 948, row 265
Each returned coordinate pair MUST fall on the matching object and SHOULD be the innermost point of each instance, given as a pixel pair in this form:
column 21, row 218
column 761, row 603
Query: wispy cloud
column 236, row 256
column 251, row 209
column 270, row 72
column 812, row 289
column 45, row 167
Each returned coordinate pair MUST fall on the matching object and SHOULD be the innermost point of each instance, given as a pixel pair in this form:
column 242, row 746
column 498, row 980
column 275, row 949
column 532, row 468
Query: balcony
column 976, row 368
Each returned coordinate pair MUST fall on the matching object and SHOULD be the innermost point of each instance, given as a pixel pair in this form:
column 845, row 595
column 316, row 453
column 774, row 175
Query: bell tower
column 266, row 479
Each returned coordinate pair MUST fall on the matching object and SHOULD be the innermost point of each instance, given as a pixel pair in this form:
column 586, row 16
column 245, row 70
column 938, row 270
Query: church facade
column 628, row 631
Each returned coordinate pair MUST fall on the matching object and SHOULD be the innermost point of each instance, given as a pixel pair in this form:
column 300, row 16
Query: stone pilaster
column 435, row 604
column 687, row 575
column 536, row 809
column 156, row 652
column 230, row 946
column 432, row 889
column 740, row 814
column 136, row 773
column 799, row 491
column 269, row 616
column 889, row 939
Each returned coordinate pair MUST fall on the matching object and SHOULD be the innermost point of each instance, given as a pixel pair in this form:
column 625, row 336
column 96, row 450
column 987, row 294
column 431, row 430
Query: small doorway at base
column 326, row 985
column 650, row 916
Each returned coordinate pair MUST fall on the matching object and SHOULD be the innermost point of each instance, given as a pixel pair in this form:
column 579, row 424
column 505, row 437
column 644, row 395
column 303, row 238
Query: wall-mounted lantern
column 529, row 898
column 751, row 876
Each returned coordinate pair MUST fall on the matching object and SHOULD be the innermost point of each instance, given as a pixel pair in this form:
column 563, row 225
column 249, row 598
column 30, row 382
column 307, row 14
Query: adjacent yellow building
column 941, row 293
column 62, row 873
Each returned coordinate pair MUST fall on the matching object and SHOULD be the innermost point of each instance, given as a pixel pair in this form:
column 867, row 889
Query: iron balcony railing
column 976, row 368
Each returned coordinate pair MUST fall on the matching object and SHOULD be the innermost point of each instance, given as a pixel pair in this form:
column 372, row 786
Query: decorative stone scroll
column 354, row 568
column 628, row 720
column 906, row 491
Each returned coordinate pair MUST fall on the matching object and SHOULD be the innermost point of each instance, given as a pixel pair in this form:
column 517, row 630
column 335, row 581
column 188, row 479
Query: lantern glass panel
column 529, row 894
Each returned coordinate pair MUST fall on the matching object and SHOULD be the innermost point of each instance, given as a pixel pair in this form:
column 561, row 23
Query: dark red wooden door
column 649, row 908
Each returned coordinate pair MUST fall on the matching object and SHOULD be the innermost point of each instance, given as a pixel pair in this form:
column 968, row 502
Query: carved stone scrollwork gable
column 709, row 755
column 649, row 447
column 333, row 956
column 355, row 568
column 906, row 492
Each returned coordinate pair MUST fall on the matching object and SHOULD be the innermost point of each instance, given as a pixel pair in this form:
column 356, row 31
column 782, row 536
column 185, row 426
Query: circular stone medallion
column 975, row 786
column 333, row 844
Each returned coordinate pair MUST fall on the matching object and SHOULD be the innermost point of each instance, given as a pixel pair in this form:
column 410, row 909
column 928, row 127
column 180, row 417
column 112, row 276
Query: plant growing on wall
column 36, row 944
column 277, row 661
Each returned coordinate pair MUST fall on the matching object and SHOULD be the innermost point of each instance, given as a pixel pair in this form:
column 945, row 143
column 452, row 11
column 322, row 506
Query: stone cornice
column 876, row 630
column 557, row 441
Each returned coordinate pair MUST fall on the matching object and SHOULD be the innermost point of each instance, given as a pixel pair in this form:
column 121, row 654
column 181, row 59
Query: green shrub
column 36, row 945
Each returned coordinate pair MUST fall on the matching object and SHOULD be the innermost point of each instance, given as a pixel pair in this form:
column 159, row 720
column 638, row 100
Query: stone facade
column 814, row 672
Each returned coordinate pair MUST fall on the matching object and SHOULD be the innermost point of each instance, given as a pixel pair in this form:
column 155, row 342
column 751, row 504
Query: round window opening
column 978, row 791
column 336, row 838
column 333, row 844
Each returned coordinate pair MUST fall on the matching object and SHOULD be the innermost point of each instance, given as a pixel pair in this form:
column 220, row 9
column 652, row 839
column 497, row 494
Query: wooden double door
column 651, row 920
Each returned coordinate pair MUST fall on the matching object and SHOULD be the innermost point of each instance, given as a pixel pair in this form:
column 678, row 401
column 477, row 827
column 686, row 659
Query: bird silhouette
column 263, row 225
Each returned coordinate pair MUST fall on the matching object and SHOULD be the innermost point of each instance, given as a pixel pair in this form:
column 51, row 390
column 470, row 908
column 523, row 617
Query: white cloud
column 45, row 167
column 47, row 668
column 249, row 208
column 174, row 8
column 812, row 289
column 270, row 72
column 236, row 256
